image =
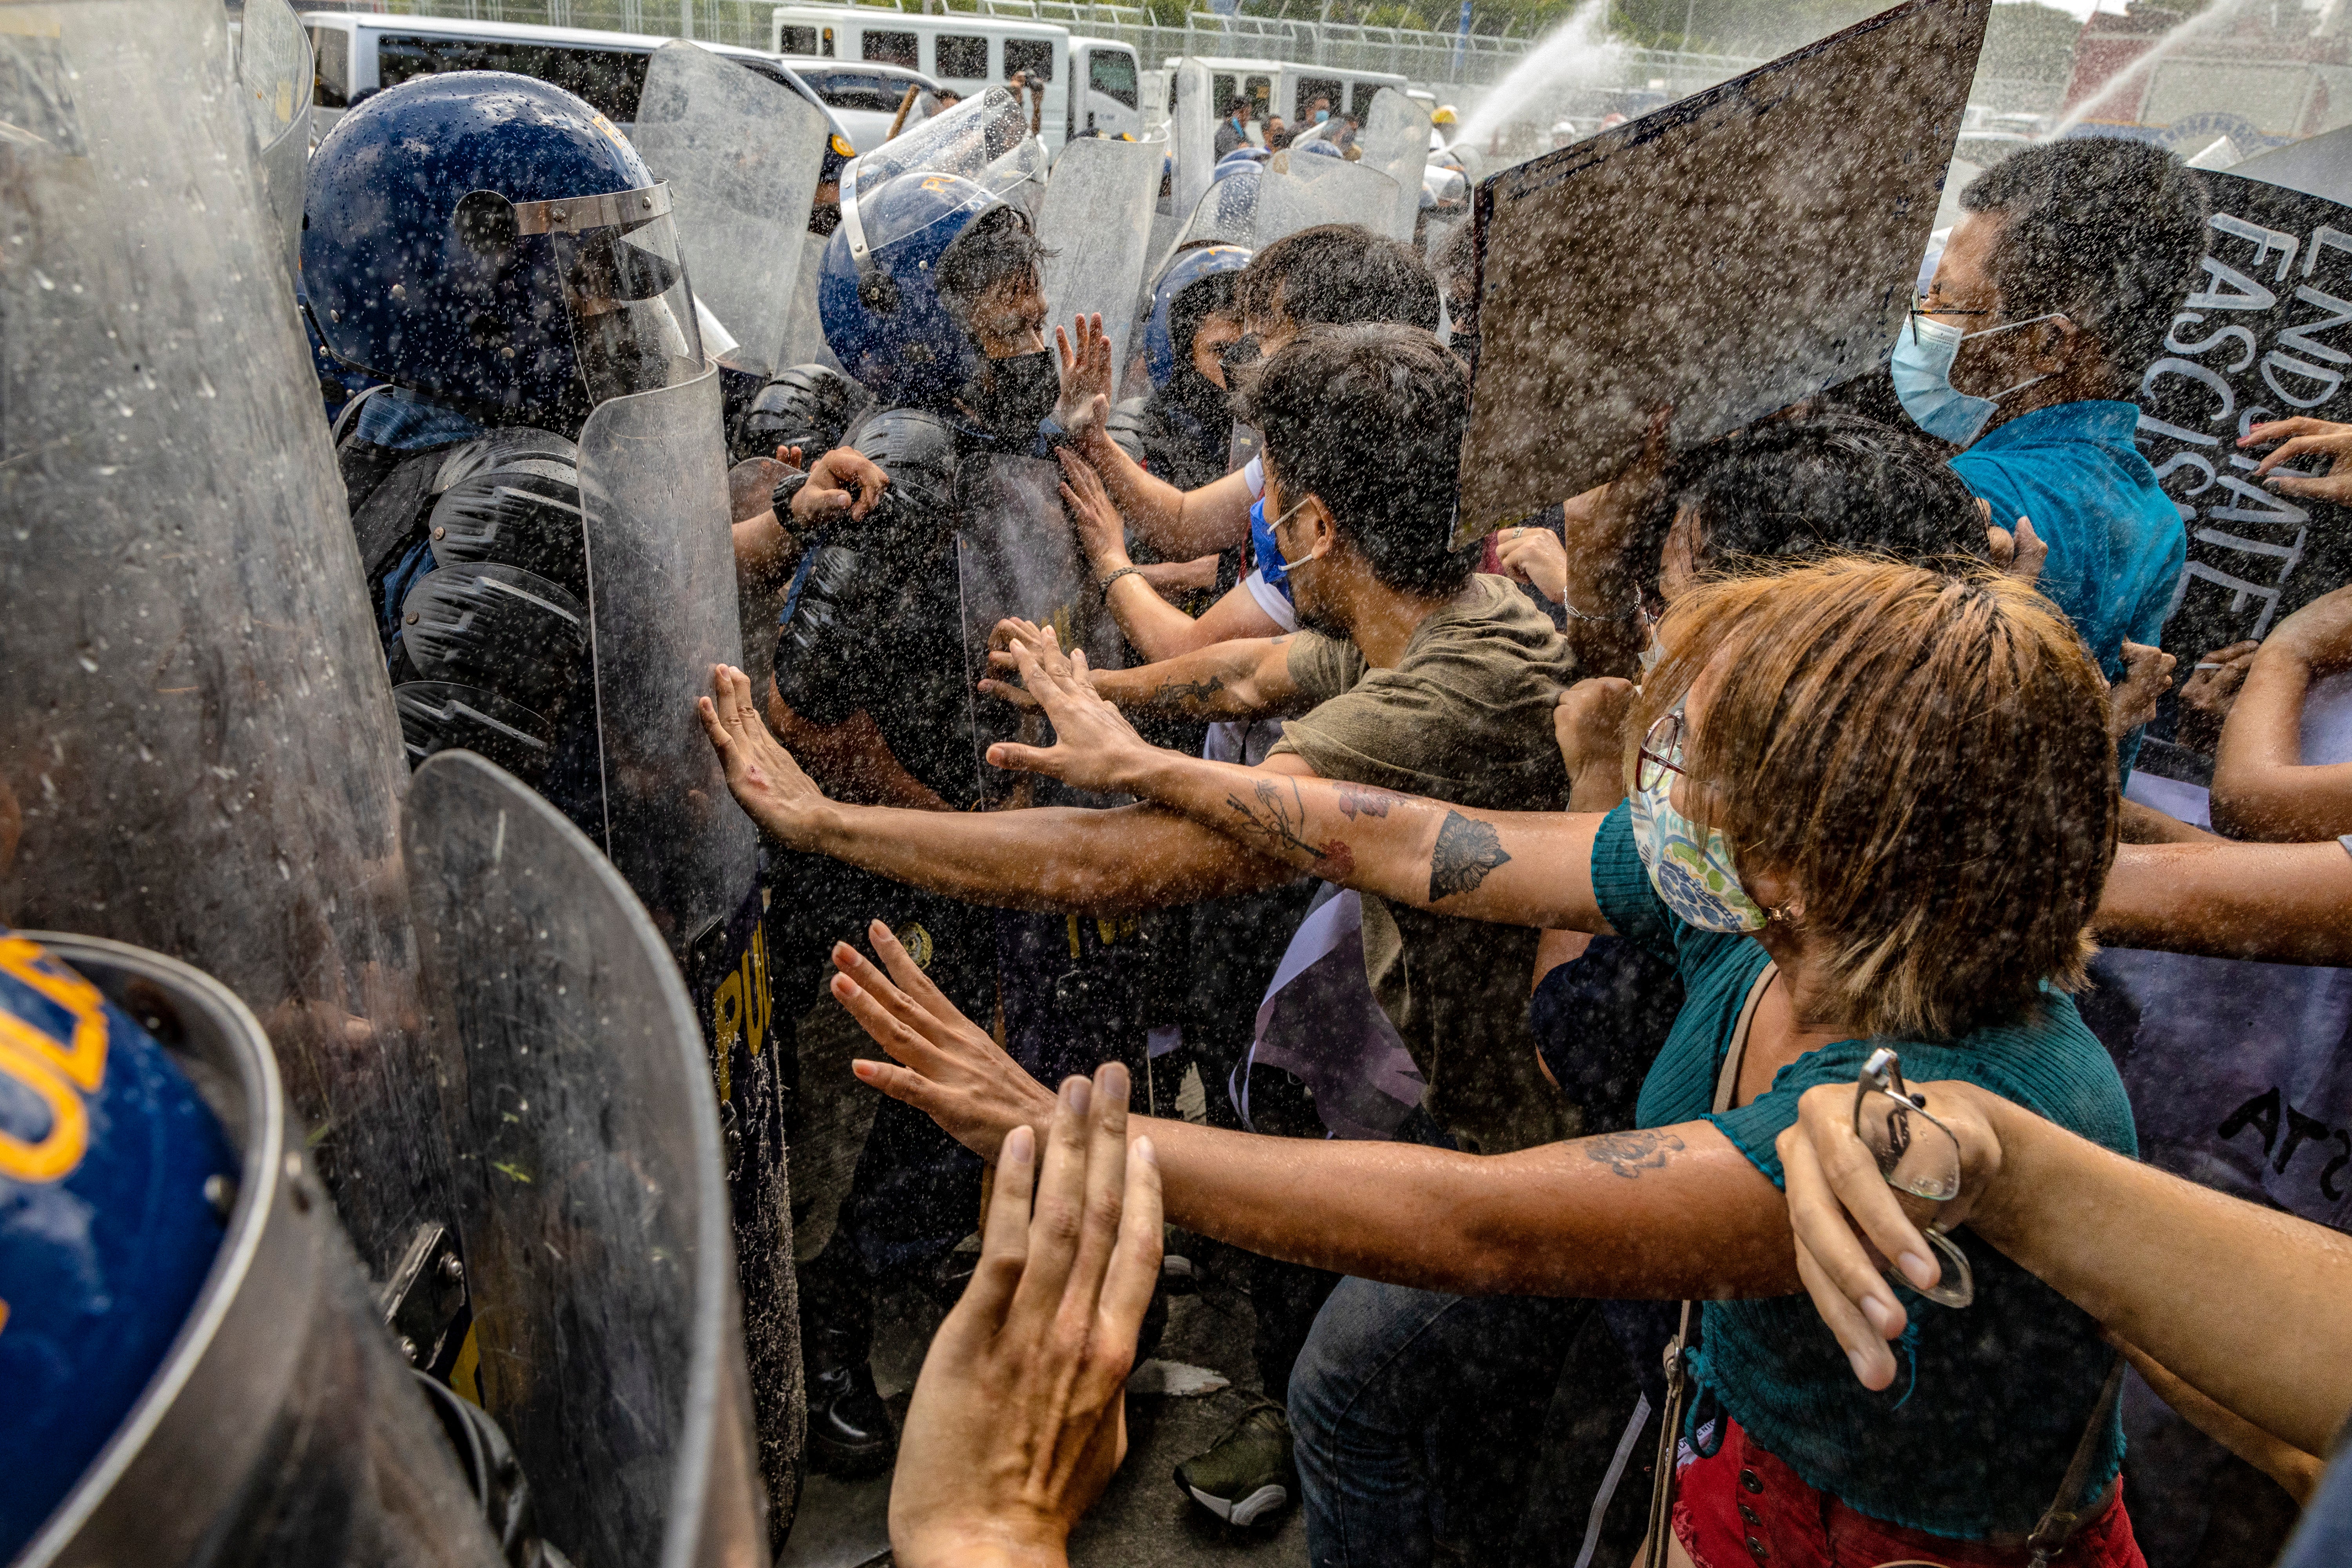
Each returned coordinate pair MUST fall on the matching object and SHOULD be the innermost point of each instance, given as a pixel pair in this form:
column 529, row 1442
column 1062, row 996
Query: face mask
column 1239, row 354
column 1013, row 394
column 1693, row 874
column 1274, row 533
column 1320, row 116
column 1922, row 368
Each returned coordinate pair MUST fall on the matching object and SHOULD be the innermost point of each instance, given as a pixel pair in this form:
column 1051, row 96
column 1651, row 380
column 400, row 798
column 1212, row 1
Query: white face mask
column 1922, row 368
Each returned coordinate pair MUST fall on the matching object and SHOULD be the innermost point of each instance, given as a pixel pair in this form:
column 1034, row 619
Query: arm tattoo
column 1362, row 800
column 1467, row 850
column 1276, row 821
column 1631, row 1153
column 1181, row 693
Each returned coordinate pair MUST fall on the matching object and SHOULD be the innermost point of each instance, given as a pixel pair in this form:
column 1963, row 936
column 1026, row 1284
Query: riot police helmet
column 495, row 243
column 1168, row 333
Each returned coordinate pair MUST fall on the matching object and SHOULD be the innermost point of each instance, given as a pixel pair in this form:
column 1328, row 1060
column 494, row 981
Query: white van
column 968, row 54
column 358, row 52
column 1286, row 88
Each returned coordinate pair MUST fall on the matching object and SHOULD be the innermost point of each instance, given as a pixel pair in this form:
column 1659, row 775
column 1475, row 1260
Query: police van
column 360, row 52
column 1091, row 84
column 1285, row 88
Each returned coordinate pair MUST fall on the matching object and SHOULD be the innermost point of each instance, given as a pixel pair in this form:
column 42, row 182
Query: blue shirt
column 1989, row 1400
column 2116, row 545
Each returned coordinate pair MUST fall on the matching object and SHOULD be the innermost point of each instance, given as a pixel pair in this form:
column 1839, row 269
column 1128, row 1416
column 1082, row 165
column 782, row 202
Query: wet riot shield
column 1191, row 134
column 1395, row 140
column 1096, row 225
column 1313, row 190
column 661, row 603
column 1727, row 254
column 1015, row 556
column 592, row 1192
column 196, row 723
column 1227, row 214
column 741, row 155
column 281, row 1429
column 274, row 72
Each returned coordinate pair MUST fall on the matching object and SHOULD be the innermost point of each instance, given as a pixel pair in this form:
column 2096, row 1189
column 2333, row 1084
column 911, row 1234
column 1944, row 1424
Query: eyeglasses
column 1918, row 1154
column 1661, row 750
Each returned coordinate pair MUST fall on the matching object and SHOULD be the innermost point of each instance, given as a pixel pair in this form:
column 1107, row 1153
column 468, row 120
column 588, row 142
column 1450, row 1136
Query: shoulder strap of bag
column 2064, row 1514
column 1662, row 1485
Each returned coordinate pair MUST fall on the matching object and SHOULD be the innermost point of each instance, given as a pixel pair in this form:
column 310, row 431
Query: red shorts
column 1744, row 1508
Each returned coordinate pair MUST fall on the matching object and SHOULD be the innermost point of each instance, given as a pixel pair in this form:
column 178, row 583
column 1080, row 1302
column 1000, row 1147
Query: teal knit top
column 1989, row 1400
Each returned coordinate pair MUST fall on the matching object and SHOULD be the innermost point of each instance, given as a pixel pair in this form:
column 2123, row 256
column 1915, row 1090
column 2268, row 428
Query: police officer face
column 1210, row 339
column 1009, row 317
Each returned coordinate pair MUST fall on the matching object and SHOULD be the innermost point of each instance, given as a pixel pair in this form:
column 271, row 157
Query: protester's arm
column 1155, row 628
column 1663, row 1213
column 1515, row 867
column 2244, row 1302
column 2288, row 903
column 1245, row 680
column 1178, row 525
column 1135, row 857
column 2262, row 787
column 1017, row 1422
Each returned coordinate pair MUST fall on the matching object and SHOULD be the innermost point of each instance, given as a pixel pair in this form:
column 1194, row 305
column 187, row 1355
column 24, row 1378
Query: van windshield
column 610, row 79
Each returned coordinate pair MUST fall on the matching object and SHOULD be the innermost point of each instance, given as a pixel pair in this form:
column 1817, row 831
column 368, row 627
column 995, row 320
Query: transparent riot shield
column 1725, row 255
column 274, row 71
column 281, row 1430
column 1314, row 191
column 1096, row 222
column 741, row 155
column 1193, row 133
column 1227, row 214
column 803, row 324
column 662, row 609
column 591, row 1198
column 196, row 724
column 1015, row 556
column 1395, row 140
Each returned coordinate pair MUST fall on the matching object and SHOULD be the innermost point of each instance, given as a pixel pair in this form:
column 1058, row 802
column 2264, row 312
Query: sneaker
column 1248, row 1473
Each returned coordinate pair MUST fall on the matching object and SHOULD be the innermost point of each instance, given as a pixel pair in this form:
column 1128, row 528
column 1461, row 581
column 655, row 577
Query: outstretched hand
column 762, row 775
column 2148, row 676
column 1018, row 1420
column 1102, row 532
column 1001, row 640
column 942, row 1064
column 1094, row 745
column 1086, row 374
column 2303, row 437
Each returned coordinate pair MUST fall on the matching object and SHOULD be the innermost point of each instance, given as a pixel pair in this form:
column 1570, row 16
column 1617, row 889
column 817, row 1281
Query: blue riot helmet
column 1162, row 351
column 902, row 206
column 1239, row 161
column 1322, row 148
column 493, row 242
column 115, row 1181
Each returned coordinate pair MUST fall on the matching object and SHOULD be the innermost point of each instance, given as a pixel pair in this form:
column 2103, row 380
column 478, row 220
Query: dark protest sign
column 2266, row 334
column 1729, row 253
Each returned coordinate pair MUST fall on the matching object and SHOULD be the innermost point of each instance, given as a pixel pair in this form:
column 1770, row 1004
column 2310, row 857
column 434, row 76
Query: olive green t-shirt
column 1465, row 717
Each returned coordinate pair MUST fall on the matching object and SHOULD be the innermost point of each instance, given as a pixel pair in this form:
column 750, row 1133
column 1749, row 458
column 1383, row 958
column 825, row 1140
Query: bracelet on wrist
column 1123, row 571
column 1632, row 612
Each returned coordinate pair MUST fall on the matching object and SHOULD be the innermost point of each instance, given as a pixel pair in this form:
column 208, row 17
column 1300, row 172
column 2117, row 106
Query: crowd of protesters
column 1732, row 845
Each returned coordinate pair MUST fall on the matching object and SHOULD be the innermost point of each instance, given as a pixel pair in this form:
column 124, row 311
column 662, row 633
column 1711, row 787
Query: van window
column 610, row 79
column 961, row 56
column 1259, row 90
column 796, row 40
column 1113, row 76
column 1311, row 87
column 827, row 49
column 846, row 89
column 1220, row 95
column 331, row 86
column 1031, row 56
column 887, row 46
column 1359, row 100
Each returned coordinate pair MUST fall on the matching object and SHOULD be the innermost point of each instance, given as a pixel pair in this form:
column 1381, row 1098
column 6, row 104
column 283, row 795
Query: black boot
column 850, row 1433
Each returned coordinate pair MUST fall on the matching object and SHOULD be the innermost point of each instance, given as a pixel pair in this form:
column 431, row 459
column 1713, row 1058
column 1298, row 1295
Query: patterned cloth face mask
column 1692, row 871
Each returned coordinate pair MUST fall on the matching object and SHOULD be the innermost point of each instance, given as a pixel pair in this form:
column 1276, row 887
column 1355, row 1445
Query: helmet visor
column 984, row 139
column 631, row 309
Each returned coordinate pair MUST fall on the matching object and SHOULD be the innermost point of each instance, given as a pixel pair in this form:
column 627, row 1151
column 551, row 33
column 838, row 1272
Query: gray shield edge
column 741, row 155
column 1193, row 132
column 282, row 1427
column 1015, row 556
column 1681, row 258
column 1395, row 140
column 196, row 725
column 1096, row 220
column 662, row 611
column 274, row 72
column 1318, row 191
column 591, row 1193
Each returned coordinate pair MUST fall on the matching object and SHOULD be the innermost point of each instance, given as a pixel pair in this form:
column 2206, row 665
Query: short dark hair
column 1206, row 296
column 998, row 244
column 1818, row 485
column 2107, row 231
column 1337, row 274
column 1369, row 417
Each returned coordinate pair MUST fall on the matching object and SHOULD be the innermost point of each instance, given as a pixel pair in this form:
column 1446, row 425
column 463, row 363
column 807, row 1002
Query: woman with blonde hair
column 1871, row 804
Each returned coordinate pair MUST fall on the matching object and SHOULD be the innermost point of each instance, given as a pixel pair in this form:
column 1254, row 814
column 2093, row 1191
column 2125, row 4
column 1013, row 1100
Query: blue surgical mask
column 1922, row 368
column 1320, row 116
column 1691, row 871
